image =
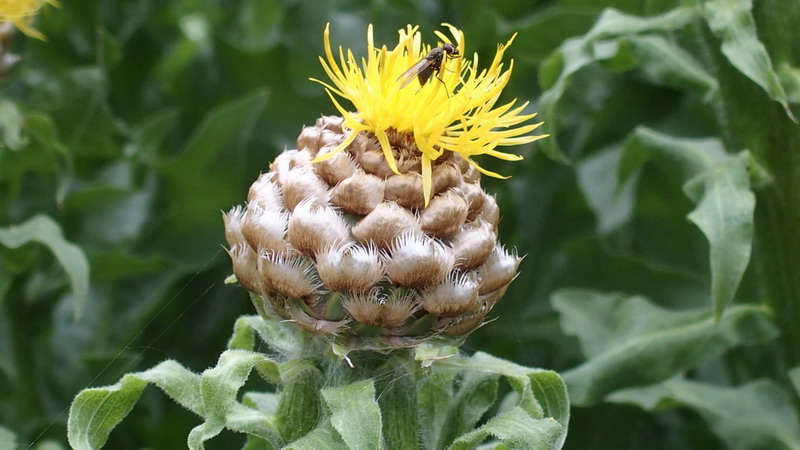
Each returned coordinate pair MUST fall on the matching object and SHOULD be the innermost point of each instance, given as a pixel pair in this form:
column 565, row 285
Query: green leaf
column 254, row 443
column 395, row 385
column 597, row 178
column 258, row 24
column 565, row 62
column 688, row 157
column 279, row 336
column 628, row 341
column 212, row 395
column 246, row 420
column 262, row 401
column 754, row 416
column 355, row 414
column 300, row 407
column 109, row 52
column 434, row 399
column 517, row 430
column 243, row 337
column 219, row 387
column 666, row 62
column 147, row 136
column 199, row 180
column 790, row 80
column 541, row 393
column 43, row 132
column 11, row 121
column 231, row 120
column 732, row 22
column 719, row 184
column 95, row 412
column 8, row 440
column 49, row 444
column 44, row 230
column 476, row 393
column 615, row 23
column 324, row 436
column 725, row 215
column 178, row 382
column 114, row 208
column 794, row 377
column 558, row 71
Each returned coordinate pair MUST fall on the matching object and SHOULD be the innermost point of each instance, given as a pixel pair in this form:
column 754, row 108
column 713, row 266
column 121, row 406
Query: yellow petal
column 453, row 111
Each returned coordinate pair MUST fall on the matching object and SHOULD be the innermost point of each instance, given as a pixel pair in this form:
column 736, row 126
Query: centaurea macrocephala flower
column 375, row 232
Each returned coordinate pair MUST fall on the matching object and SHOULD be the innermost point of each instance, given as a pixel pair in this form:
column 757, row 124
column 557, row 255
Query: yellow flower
column 21, row 14
column 454, row 111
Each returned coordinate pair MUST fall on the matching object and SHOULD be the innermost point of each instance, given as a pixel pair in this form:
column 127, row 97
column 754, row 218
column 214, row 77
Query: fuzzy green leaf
column 219, row 387
column 300, row 407
column 262, row 401
column 44, row 230
column 757, row 415
column 355, row 414
column 629, row 341
column 517, row 430
column 725, row 215
column 732, row 22
column 541, row 393
column 256, row 443
column 251, row 422
column 243, row 337
column 476, row 393
column 396, row 388
column 178, row 382
column 279, row 336
column 95, row 412
column 434, row 397
column 324, row 436
column 212, row 395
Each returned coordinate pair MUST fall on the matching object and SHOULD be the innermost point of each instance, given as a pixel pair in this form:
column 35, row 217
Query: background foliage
column 128, row 131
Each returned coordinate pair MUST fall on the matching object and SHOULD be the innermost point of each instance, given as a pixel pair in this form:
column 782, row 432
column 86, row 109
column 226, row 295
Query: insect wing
column 413, row 71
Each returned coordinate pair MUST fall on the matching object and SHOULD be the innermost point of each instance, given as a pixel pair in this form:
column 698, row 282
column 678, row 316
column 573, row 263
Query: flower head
column 20, row 13
column 455, row 110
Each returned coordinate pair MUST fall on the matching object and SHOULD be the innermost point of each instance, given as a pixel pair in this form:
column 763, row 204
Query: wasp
column 429, row 65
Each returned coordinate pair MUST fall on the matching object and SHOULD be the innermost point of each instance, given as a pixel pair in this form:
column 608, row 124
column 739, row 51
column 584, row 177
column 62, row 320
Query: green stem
column 22, row 319
column 753, row 121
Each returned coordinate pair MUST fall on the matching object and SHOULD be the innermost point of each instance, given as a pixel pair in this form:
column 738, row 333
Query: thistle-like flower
column 375, row 231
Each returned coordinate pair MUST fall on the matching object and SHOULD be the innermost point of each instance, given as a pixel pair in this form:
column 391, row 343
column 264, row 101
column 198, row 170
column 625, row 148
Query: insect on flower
column 427, row 66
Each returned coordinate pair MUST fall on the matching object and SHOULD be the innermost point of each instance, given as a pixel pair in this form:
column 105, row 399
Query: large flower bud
column 347, row 247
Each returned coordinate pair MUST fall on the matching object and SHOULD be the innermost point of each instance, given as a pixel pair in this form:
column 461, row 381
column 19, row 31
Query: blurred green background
column 137, row 122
